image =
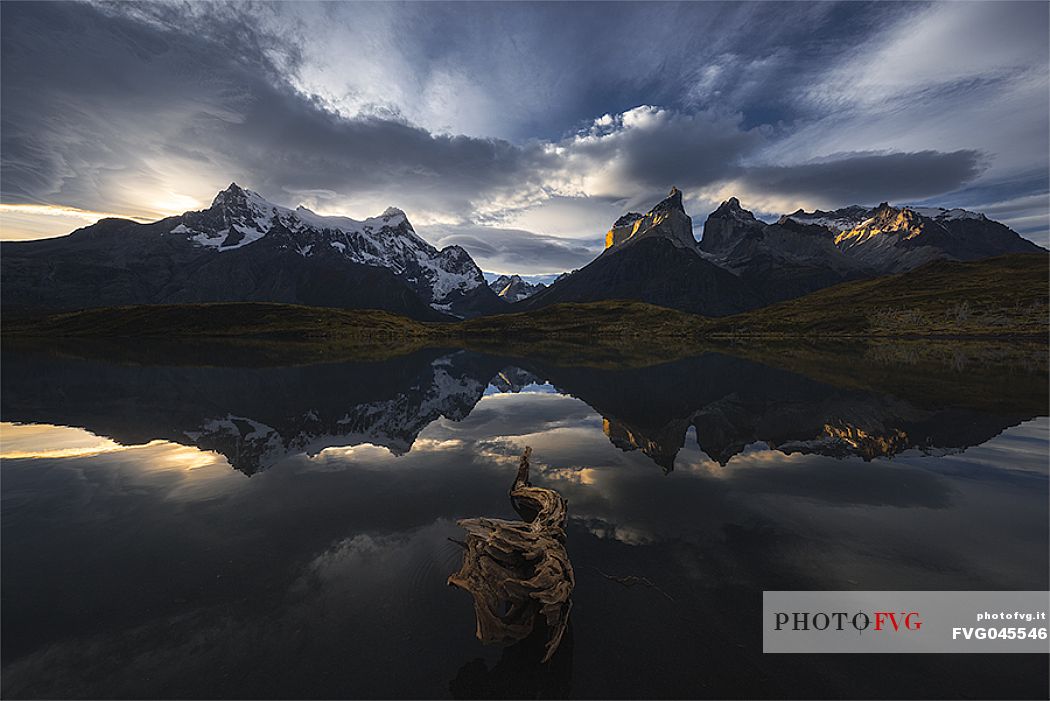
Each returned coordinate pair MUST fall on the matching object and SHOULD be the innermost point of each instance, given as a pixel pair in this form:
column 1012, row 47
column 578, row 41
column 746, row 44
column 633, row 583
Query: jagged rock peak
column 727, row 226
column 732, row 208
column 232, row 193
column 730, row 205
column 666, row 220
column 244, row 201
column 673, row 201
column 888, row 216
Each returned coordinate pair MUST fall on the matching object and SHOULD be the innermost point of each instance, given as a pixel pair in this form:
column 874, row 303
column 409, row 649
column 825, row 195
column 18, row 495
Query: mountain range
column 245, row 248
column 742, row 263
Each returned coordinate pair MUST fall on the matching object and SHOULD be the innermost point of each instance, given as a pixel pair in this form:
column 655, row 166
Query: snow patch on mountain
column 855, row 216
column 835, row 221
column 946, row 214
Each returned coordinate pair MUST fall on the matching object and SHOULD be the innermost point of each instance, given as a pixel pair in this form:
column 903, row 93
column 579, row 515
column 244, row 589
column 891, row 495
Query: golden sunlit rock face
column 619, row 234
column 624, row 228
column 903, row 222
column 667, row 219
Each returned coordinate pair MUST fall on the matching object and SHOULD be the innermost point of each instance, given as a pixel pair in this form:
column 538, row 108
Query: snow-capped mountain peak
column 847, row 218
column 889, row 238
column 239, row 218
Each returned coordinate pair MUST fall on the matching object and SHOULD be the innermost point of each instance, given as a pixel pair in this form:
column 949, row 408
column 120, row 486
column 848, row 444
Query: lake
column 237, row 527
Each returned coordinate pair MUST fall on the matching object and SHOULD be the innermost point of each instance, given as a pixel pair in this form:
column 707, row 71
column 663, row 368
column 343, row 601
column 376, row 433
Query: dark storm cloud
column 87, row 96
column 143, row 109
column 539, row 70
column 869, row 178
column 90, row 97
column 637, row 155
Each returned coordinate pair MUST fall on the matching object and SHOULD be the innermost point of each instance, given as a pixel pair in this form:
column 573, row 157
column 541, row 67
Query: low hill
column 1004, row 296
column 999, row 297
column 220, row 319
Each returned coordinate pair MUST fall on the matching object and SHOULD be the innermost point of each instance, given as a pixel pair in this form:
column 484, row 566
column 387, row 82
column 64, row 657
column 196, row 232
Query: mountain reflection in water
column 137, row 563
column 255, row 417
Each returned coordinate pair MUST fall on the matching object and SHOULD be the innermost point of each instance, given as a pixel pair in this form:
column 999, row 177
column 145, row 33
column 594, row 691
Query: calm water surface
column 285, row 532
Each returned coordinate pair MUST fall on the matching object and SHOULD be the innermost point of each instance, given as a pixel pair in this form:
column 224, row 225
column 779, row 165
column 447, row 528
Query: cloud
column 865, row 178
column 147, row 110
column 641, row 152
column 586, row 218
column 522, row 71
column 515, row 250
column 34, row 221
column 132, row 109
column 934, row 48
column 939, row 76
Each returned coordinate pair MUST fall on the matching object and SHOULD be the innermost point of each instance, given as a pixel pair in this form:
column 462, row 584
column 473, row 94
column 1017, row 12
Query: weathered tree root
column 517, row 570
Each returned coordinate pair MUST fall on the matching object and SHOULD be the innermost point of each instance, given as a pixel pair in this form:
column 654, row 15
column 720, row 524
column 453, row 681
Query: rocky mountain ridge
column 891, row 239
column 245, row 248
column 238, row 217
column 655, row 258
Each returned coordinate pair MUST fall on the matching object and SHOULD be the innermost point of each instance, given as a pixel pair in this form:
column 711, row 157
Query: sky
column 521, row 131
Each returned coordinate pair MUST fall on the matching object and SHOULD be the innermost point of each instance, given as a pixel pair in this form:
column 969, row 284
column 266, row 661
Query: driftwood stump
column 518, row 571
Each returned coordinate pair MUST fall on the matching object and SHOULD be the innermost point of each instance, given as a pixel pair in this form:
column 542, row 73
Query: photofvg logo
column 904, row 621
column 840, row 620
